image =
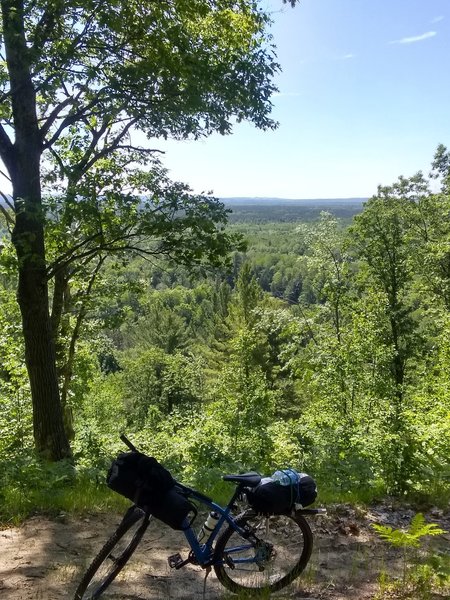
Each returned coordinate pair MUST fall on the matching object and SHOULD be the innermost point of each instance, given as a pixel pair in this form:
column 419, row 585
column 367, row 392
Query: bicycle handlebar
column 127, row 442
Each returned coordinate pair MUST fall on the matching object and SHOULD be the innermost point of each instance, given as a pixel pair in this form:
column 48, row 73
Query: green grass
column 79, row 497
column 439, row 497
column 359, row 495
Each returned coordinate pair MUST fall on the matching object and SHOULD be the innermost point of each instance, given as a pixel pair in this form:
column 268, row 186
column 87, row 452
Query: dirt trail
column 45, row 558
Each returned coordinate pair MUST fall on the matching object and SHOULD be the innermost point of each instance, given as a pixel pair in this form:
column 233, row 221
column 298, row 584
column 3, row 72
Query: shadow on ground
column 46, row 558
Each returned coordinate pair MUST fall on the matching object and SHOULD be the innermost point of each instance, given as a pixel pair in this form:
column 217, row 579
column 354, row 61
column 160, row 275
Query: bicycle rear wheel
column 114, row 555
column 275, row 552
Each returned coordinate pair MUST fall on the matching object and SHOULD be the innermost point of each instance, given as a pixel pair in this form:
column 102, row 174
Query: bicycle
column 249, row 552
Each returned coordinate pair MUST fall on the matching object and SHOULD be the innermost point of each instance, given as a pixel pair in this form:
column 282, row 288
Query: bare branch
column 65, row 260
column 5, row 175
column 85, row 164
column 69, row 120
column 113, row 246
column 6, row 148
column 139, row 149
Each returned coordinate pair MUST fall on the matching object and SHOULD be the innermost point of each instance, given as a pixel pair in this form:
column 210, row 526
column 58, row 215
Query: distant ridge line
column 291, row 201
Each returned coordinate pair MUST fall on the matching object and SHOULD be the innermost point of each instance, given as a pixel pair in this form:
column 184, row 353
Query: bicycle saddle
column 250, row 479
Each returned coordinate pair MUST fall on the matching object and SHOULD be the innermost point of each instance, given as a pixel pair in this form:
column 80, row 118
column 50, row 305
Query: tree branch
column 6, row 149
column 61, row 262
column 9, row 220
column 69, row 120
column 8, row 202
column 85, row 164
column 68, row 367
column 139, row 149
column 113, row 246
column 60, row 162
column 46, row 25
column 54, row 115
column 5, row 175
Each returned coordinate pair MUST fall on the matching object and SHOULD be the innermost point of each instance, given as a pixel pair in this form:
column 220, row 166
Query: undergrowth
column 30, row 486
column 424, row 571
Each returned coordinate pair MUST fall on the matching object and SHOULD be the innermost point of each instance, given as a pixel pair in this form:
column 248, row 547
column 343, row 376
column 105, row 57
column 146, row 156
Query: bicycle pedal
column 175, row 561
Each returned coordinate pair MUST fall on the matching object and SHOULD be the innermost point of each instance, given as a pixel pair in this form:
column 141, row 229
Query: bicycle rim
column 279, row 552
column 113, row 556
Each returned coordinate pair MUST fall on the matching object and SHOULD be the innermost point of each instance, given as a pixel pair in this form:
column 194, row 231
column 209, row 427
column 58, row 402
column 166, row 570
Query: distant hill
column 265, row 210
column 306, row 202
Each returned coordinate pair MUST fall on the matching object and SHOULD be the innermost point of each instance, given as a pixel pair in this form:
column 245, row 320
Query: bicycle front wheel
column 114, row 555
column 276, row 551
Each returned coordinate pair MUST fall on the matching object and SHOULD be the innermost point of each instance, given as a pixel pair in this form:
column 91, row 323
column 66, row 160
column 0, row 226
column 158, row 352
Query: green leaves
column 181, row 69
column 124, row 211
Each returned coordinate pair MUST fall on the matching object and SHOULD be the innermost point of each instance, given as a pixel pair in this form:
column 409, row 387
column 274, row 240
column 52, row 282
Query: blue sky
column 364, row 97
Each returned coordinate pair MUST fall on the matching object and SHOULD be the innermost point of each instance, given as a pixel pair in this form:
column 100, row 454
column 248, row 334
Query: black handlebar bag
column 144, row 481
column 174, row 510
column 140, row 478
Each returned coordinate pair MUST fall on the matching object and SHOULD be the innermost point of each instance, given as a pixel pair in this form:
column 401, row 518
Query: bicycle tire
column 95, row 582
column 278, row 564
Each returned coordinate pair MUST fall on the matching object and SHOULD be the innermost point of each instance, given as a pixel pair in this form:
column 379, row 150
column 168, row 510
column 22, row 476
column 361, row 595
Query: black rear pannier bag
column 272, row 498
column 140, row 478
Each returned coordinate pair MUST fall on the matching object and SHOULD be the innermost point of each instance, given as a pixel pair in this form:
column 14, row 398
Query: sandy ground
column 45, row 558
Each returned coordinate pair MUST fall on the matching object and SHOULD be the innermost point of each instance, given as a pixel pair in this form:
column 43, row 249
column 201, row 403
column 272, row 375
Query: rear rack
column 311, row 511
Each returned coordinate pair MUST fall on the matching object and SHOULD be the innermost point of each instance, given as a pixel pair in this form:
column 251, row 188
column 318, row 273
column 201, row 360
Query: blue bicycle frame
column 203, row 552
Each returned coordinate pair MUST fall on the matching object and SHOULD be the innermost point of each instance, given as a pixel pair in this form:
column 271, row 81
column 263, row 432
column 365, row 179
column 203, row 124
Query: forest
column 323, row 345
column 218, row 337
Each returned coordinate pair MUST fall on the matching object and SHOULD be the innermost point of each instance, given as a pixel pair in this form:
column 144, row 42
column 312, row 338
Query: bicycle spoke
column 280, row 550
column 112, row 558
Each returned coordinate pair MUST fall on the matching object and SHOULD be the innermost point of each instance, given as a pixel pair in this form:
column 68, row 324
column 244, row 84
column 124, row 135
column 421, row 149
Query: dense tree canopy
column 325, row 348
column 78, row 81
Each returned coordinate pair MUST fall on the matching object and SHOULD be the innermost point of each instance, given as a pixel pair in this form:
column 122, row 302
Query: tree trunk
column 60, row 322
column 49, row 435
column 23, row 164
column 68, row 366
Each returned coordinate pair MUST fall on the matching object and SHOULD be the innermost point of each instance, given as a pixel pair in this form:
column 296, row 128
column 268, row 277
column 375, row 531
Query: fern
column 410, row 538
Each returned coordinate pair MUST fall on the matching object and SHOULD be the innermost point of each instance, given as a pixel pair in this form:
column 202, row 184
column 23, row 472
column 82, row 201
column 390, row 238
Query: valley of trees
column 325, row 345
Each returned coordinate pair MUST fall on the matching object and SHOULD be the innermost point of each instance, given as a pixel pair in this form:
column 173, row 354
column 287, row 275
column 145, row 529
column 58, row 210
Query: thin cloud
column 416, row 38
column 286, row 94
column 437, row 19
column 345, row 57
